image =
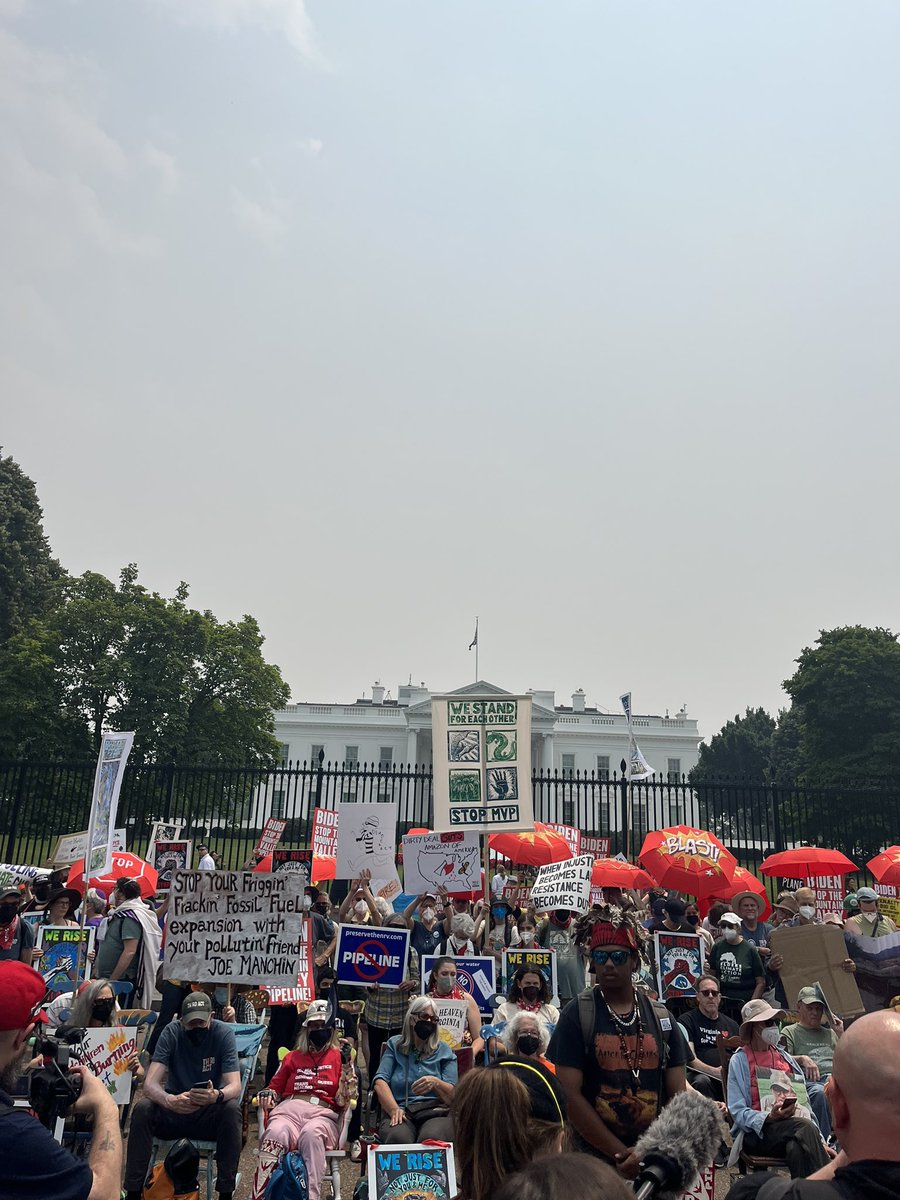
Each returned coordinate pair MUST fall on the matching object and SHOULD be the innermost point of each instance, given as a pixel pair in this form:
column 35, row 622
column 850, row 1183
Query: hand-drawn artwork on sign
column 451, row 861
column 114, row 751
column 367, row 841
column 61, row 949
column 679, row 964
column 169, row 857
column 298, row 861
column 453, row 1019
column 476, row 975
column 107, row 1051
column 536, row 958
column 564, row 885
column 493, row 733
column 164, row 831
column 411, row 1172
column 72, row 846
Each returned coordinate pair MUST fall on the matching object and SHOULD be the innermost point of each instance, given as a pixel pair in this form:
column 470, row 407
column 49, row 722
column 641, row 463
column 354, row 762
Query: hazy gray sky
column 366, row 317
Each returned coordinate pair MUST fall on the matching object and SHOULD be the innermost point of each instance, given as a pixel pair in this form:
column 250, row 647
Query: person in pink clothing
column 305, row 1101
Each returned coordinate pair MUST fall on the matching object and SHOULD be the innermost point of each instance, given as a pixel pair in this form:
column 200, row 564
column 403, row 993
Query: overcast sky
column 368, row 317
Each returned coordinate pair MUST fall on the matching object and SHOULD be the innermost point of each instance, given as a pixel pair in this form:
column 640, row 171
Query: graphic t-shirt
column 570, row 972
column 189, row 1062
column 625, row 1105
column 737, row 967
column 817, row 1044
column 704, row 1034
column 303, row 1073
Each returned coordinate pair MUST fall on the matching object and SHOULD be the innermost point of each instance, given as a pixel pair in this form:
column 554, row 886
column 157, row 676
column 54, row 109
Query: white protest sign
column 114, row 751
column 452, row 1018
column 164, row 831
column 564, row 885
column 235, row 927
column 106, row 1052
column 482, row 762
column 572, row 836
column 72, row 846
column 367, row 841
column 451, row 861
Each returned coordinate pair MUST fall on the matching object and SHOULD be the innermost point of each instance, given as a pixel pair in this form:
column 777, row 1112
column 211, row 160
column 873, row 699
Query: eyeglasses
column 430, row 1020
column 619, row 957
column 708, row 992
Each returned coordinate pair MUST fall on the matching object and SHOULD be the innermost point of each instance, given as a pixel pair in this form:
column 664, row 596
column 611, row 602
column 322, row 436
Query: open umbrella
column 746, row 881
column 124, row 863
column 886, row 866
column 612, row 872
column 804, row 862
column 691, row 860
column 322, row 867
column 533, row 847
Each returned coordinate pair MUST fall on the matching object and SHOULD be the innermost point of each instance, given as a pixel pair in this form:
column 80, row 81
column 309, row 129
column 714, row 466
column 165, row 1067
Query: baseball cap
column 21, row 991
column 9, row 891
column 729, row 918
column 197, row 1007
column 319, row 1010
column 809, row 995
column 866, row 893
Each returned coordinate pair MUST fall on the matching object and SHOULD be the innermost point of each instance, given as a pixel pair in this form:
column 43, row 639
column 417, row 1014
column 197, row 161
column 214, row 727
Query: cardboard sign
column 368, row 954
column 272, row 833
column 106, row 1052
column 411, row 1172
column 564, row 885
column 453, row 1020
column 305, row 986
column 234, row 927
column 482, row 762
column 324, row 833
column 367, row 841
column 72, row 846
column 679, row 964
column 297, row 861
column 476, row 974
column 817, row 952
column 114, row 751
column 598, row 847
column 572, row 836
column 61, row 949
column 163, row 831
column 167, row 858
column 538, row 959
column 451, row 861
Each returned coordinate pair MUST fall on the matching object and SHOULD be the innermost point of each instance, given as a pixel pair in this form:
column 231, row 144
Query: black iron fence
column 228, row 806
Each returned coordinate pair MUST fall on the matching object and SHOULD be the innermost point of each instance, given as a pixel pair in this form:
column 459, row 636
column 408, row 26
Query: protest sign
column 518, row 895
column 705, row 1186
column 167, row 858
column 34, row 920
column 475, row 974
column 817, row 952
column 679, row 964
column 367, row 841
column 877, row 967
column 829, row 891
column 572, row 836
column 324, row 833
column 114, row 751
column 411, row 1172
column 72, row 846
column 453, row 1019
column 368, row 954
column 163, row 831
column 888, row 902
column 564, row 885
column 234, row 927
column 304, row 988
column 271, row 835
column 61, row 948
column 597, row 847
column 298, row 861
column 106, row 1052
column 536, row 958
column 482, row 762
column 451, row 861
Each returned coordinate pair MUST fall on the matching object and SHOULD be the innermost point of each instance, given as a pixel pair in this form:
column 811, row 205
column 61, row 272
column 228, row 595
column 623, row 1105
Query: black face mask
column 41, row 891
column 7, row 912
column 102, row 1009
column 528, row 1043
column 424, row 1030
column 531, row 993
column 319, row 1037
column 324, row 992
column 562, row 918
column 693, row 919
column 196, row 1036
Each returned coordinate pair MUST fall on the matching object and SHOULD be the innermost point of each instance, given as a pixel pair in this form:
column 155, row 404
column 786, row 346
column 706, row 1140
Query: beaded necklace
column 626, row 1024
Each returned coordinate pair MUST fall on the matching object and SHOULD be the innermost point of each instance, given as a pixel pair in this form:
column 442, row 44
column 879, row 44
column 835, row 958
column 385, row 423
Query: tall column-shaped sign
column 482, row 762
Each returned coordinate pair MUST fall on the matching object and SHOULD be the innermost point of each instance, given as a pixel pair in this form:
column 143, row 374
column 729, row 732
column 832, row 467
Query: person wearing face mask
column 558, row 933
column 192, row 1090
column 528, row 992
column 869, row 922
column 775, row 1130
column 527, row 1036
column 236, row 1011
column 427, row 933
column 305, row 1101
column 737, row 965
column 442, row 984
column 460, row 942
column 358, row 906
column 16, row 936
column 94, row 1006
column 386, row 1007
column 415, row 1080
column 497, row 931
column 40, row 894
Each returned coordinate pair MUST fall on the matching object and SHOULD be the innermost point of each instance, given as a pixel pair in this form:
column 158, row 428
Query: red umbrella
column 886, row 866
column 536, row 847
column 692, row 860
column 322, row 867
column 804, row 862
column 612, row 872
column 124, row 863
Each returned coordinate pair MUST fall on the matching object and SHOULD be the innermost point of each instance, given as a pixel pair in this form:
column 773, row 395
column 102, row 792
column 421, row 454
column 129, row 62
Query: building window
column 315, row 750
column 385, row 758
column 278, row 803
column 673, row 772
column 603, row 766
column 351, row 756
column 568, row 766
column 284, row 754
column 638, row 823
column 605, row 813
column 568, row 810
column 676, row 812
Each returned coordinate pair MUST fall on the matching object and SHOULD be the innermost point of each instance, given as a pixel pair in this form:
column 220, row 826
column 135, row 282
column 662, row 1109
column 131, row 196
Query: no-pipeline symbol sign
column 372, row 955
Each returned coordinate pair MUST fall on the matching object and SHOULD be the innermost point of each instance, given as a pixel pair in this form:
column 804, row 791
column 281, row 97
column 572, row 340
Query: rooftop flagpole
column 474, row 642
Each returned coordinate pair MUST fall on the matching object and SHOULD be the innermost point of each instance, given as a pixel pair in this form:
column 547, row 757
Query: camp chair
column 248, row 1039
column 120, row 990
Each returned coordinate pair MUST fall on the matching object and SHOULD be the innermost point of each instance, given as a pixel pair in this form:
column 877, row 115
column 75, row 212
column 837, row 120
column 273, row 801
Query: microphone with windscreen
column 680, row 1143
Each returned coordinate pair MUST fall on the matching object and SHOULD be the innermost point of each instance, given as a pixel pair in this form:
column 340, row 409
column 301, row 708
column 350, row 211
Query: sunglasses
column 708, row 992
column 619, row 957
column 430, row 1020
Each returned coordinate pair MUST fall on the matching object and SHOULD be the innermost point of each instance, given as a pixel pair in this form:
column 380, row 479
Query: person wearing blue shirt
column 415, row 1080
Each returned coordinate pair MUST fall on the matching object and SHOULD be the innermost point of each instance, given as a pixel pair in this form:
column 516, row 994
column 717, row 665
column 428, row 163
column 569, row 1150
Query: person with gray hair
column 415, row 1080
column 94, row 1006
column 527, row 1036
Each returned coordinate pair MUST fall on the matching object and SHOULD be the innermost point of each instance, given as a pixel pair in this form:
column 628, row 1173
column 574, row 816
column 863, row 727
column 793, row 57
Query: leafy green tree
column 27, row 568
column 742, row 750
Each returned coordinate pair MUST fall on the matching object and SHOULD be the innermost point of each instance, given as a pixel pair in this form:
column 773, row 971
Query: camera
column 52, row 1090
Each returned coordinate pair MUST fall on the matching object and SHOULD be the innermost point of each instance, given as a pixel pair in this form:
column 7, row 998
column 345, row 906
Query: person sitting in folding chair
column 192, row 1090
column 95, row 1007
column 305, row 1100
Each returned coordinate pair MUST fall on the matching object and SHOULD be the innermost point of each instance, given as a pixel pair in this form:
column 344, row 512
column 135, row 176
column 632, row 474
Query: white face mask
column 807, row 910
column 360, row 908
column 307, row 903
column 771, row 1034
column 867, row 916
column 731, row 934
column 428, row 914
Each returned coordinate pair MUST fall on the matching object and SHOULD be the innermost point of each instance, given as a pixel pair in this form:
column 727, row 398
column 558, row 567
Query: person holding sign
column 305, row 1101
column 95, row 1007
column 16, row 936
column 529, row 992
column 442, row 985
column 415, row 1080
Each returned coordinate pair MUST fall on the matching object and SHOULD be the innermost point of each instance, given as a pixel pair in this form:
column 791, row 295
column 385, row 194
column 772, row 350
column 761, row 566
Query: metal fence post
column 14, row 815
column 776, row 817
column 623, row 806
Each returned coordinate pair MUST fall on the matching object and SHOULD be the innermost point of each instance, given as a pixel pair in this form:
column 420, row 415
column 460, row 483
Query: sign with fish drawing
column 435, row 861
column 482, row 762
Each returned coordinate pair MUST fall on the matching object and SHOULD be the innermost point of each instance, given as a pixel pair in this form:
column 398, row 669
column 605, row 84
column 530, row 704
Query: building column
column 547, row 756
column 411, row 747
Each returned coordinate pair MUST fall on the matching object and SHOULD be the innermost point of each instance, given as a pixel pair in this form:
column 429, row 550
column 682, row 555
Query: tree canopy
column 27, row 568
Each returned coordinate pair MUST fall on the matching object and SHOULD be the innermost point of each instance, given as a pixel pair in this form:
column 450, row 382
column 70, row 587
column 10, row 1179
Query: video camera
column 52, row 1090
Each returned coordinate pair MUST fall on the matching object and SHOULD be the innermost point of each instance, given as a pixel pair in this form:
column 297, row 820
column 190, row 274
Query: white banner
column 432, row 861
column 453, row 1021
column 564, row 885
column 482, row 762
column 367, row 841
column 114, row 751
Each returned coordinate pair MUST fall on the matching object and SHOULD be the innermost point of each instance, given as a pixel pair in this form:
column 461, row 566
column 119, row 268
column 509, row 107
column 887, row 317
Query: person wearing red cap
column 618, row 1055
column 32, row 1162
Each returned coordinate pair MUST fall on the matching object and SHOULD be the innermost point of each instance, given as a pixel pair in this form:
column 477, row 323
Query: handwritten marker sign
column 453, row 1019
column 451, row 861
column 476, row 975
column 368, row 954
column 564, row 885
column 106, row 1052
column 324, row 833
column 234, row 927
